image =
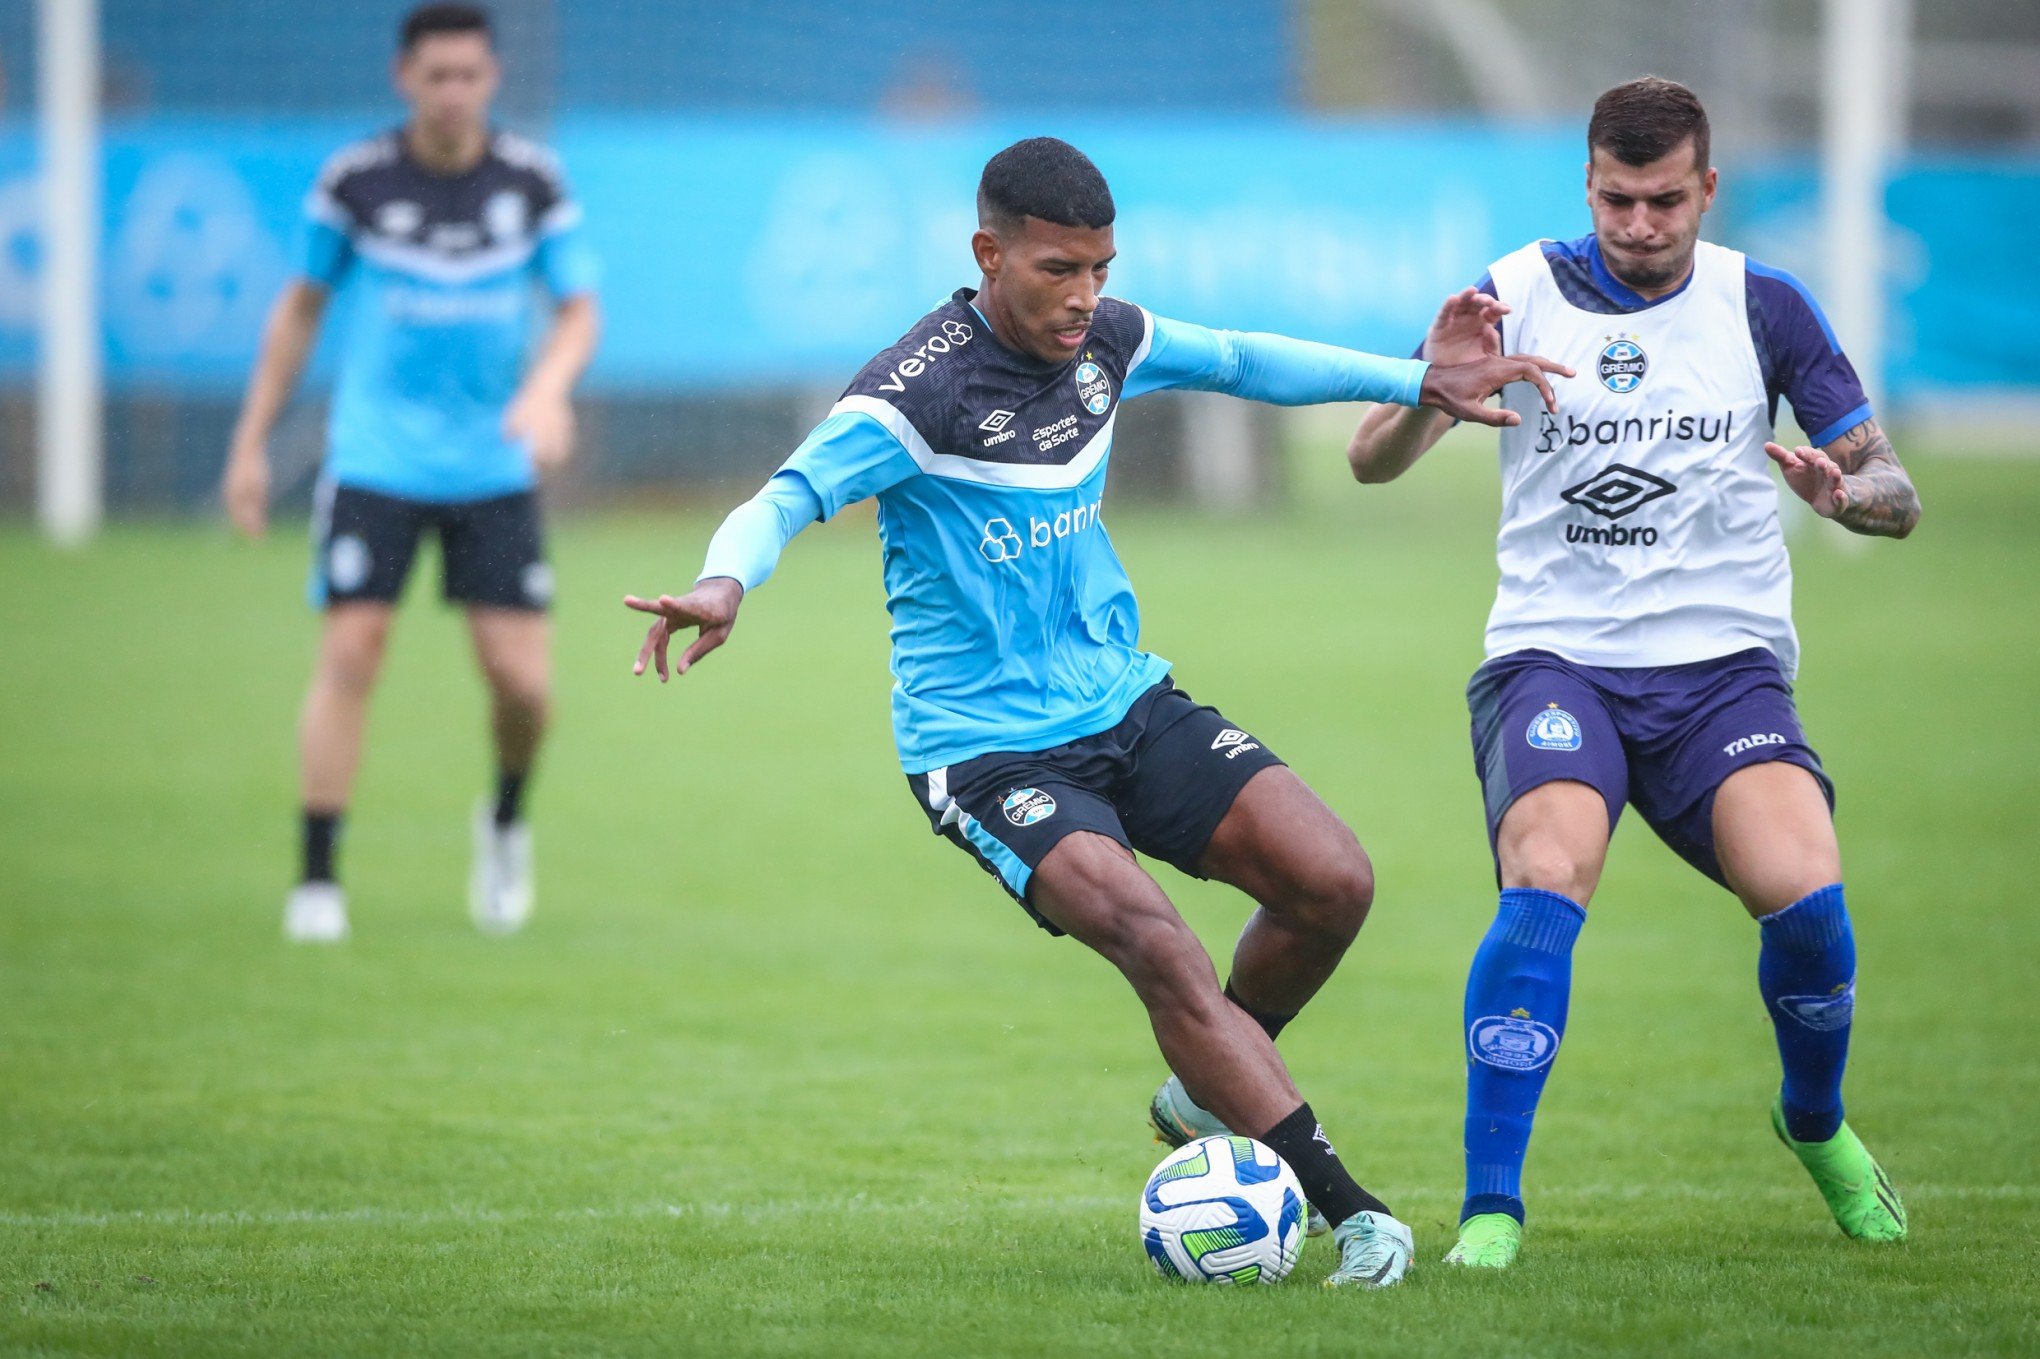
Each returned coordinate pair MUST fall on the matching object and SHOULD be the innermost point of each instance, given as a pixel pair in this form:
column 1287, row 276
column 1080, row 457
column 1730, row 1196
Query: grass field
column 774, row 1071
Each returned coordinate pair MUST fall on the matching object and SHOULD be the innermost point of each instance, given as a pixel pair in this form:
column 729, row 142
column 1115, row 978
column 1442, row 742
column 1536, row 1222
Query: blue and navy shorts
column 492, row 552
column 1158, row 782
column 1660, row 738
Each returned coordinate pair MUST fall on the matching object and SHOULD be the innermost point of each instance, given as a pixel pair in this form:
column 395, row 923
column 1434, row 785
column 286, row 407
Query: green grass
column 775, row 1071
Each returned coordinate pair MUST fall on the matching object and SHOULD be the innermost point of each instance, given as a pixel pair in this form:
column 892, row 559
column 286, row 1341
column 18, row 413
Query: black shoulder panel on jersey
column 491, row 212
column 968, row 396
column 1119, row 327
column 920, row 372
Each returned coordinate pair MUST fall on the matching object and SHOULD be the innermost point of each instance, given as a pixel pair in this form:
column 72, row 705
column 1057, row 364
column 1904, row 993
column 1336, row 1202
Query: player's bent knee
column 1332, row 899
column 1161, row 957
column 1345, row 891
column 353, row 655
column 1551, row 868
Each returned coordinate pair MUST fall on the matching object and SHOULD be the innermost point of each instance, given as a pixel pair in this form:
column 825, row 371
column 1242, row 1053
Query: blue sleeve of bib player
column 1271, row 368
column 1801, row 359
column 847, row 458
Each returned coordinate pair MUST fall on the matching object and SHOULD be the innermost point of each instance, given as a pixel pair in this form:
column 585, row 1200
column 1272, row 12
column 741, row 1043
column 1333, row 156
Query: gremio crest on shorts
column 1025, row 806
column 1555, row 729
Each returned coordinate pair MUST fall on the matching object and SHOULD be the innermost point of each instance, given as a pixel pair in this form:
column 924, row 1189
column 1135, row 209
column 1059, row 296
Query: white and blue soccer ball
column 1223, row 1210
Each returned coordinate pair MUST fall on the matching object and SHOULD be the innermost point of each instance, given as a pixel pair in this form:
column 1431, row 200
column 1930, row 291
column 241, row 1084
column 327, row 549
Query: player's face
column 449, row 78
column 1647, row 217
column 1042, row 282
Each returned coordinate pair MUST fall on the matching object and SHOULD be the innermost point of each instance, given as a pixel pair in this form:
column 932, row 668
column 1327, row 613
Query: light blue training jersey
column 1015, row 627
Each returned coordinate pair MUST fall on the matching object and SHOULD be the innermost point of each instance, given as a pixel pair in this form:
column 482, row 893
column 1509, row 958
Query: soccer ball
column 1223, row 1210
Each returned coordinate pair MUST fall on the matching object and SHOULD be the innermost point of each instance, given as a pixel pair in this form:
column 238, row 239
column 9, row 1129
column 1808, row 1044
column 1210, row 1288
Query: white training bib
column 1640, row 524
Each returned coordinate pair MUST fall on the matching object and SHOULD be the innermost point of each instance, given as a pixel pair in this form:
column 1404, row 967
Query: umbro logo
column 1616, row 491
column 1234, row 742
column 995, row 427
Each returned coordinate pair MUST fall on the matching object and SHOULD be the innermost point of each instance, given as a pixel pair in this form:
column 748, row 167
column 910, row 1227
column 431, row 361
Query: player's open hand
column 1461, row 390
column 245, row 489
column 1464, row 329
column 1814, row 477
column 542, row 421
column 710, row 607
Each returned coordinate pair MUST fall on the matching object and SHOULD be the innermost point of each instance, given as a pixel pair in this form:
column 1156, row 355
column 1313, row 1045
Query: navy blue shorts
column 1158, row 782
column 1660, row 738
column 492, row 552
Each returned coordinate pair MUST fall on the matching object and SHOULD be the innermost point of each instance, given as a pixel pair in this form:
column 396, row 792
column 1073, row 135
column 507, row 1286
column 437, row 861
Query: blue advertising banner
column 753, row 252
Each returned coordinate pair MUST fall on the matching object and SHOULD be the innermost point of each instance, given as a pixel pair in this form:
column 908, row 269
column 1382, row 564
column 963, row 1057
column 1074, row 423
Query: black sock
column 509, row 796
column 1272, row 1025
column 321, row 841
column 1299, row 1140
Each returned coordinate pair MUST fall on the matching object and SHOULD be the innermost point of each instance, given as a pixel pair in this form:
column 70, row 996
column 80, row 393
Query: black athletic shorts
column 1159, row 782
column 492, row 552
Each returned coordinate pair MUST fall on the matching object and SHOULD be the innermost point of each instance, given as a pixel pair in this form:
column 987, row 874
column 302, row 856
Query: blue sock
column 1516, row 998
column 1806, row 969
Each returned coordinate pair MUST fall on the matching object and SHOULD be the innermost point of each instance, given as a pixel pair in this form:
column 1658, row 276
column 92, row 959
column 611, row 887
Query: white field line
column 860, row 1204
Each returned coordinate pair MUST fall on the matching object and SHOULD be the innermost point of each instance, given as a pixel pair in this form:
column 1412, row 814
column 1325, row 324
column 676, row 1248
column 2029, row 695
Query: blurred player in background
column 442, row 227
column 1641, row 646
column 1034, row 733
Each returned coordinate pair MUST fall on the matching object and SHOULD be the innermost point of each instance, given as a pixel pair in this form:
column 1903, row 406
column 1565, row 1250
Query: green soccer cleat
column 1178, row 1119
column 1375, row 1251
column 1487, row 1241
column 1856, row 1188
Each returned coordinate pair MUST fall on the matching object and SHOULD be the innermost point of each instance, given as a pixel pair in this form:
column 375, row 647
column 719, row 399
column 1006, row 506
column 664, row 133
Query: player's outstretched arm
column 1856, row 480
column 286, row 340
column 1391, row 438
column 741, row 557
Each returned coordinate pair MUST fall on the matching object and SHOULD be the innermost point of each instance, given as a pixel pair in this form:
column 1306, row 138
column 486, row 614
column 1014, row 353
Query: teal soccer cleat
column 1375, row 1251
column 1177, row 1119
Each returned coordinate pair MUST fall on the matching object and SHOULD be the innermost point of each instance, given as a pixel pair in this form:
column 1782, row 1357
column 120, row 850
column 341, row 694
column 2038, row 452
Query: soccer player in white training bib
column 1641, row 648
column 441, row 231
column 1035, row 734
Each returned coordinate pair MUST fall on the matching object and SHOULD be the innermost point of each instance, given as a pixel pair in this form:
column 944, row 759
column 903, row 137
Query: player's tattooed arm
column 1856, row 480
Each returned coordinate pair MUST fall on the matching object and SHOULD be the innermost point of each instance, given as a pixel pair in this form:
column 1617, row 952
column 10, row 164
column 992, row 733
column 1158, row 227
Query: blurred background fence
column 777, row 189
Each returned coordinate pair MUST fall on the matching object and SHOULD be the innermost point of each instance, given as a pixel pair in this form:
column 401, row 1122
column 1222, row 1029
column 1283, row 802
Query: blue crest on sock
column 1823, row 1013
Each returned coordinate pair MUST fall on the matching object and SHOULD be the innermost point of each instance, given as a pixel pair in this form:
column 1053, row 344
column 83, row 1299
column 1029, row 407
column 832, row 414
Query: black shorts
column 1159, row 782
column 492, row 551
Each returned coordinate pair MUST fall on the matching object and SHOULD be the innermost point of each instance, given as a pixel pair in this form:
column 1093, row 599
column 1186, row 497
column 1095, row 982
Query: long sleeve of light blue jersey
column 1271, row 368
column 747, row 546
column 849, row 457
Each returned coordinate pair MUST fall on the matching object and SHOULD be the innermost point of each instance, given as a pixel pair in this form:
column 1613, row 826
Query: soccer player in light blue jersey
column 443, row 230
column 1641, row 648
column 1035, row 733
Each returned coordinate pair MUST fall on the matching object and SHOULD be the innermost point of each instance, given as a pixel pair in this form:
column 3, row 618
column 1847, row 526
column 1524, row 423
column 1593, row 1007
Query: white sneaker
column 315, row 913
column 500, row 888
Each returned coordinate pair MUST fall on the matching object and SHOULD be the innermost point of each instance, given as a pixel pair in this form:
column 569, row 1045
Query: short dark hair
column 1645, row 120
column 428, row 21
column 1046, row 178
